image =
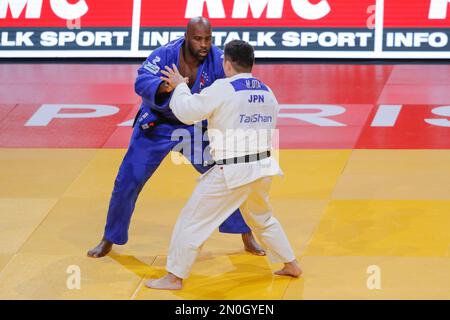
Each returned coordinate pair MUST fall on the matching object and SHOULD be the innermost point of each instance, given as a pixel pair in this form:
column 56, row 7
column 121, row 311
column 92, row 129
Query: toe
column 279, row 273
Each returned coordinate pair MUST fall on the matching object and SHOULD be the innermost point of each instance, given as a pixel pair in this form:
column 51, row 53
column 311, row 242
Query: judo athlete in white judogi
column 238, row 109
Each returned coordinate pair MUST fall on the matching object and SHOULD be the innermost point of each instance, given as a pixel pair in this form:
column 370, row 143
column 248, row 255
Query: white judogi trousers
column 210, row 204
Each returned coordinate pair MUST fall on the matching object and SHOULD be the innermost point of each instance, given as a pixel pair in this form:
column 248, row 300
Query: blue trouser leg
column 235, row 223
column 143, row 157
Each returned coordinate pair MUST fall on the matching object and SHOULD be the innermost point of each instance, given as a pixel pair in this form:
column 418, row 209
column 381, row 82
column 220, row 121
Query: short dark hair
column 241, row 55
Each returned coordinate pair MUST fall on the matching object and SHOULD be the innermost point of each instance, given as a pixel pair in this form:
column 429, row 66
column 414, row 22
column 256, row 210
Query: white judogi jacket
column 242, row 114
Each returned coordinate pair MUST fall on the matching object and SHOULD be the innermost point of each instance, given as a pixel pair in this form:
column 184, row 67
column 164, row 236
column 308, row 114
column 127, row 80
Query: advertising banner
column 64, row 28
column 276, row 28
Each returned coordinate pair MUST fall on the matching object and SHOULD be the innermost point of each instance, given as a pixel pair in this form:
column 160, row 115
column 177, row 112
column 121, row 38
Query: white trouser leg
column 257, row 213
column 210, row 204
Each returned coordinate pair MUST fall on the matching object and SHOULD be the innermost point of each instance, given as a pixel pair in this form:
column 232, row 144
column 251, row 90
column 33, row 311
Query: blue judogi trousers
column 145, row 153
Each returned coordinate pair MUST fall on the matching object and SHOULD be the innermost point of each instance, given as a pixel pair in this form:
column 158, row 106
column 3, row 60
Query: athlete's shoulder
column 261, row 85
column 170, row 47
column 162, row 56
column 216, row 50
column 220, row 86
column 216, row 55
column 214, row 61
column 174, row 44
column 223, row 82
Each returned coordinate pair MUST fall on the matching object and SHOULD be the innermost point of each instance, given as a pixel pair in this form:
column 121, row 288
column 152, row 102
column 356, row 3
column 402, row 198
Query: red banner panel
column 418, row 25
column 262, row 13
column 56, row 13
column 416, row 14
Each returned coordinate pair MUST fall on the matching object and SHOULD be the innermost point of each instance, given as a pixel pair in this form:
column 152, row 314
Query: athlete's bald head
column 198, row 37
column 198, row 22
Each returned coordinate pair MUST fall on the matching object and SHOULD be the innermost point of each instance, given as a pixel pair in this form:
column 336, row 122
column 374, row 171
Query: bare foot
column 251, row 245
column 168, row 282
column 101, row 250
column 291, row 269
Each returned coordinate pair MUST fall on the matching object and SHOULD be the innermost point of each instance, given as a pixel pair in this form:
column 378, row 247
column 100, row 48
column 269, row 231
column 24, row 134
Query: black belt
column 244, row 159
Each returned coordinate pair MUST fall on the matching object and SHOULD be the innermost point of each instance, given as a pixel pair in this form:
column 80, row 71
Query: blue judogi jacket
column 148, row 80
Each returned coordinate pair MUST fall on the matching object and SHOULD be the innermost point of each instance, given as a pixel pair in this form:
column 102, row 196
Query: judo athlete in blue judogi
column 156, row 131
